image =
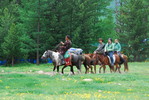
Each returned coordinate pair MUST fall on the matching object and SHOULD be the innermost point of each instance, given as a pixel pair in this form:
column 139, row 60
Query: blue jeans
column 110, row 54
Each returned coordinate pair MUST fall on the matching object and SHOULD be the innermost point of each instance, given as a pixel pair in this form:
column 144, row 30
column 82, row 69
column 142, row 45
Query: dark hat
column 100, row 39
column 68, row 36
column 110, row 39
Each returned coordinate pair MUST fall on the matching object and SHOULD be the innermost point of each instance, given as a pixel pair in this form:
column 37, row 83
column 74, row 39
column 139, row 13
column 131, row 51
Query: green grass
column 22, row 82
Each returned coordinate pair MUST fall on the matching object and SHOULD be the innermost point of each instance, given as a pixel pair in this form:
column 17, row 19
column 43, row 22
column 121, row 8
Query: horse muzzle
column 43, row 57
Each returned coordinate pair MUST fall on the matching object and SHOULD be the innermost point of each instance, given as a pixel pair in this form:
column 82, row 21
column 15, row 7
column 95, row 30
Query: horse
column 105, row 61
column 89, row 61
column 76, row 60
column 125, row 63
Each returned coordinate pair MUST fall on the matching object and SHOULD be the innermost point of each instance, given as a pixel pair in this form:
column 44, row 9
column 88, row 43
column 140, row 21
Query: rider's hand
column 62, row 43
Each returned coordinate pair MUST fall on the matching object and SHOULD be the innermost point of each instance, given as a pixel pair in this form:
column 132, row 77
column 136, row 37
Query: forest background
column 29, row 27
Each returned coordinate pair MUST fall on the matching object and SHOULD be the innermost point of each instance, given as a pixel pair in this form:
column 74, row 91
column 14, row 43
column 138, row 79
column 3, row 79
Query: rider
column 100, row 49
column 65, row 46
column 109, row 48
column 117, row 50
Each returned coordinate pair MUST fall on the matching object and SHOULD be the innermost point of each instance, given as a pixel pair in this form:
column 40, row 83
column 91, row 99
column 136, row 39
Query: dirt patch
column 30, row 72
column 87, row 80
column 45, row 73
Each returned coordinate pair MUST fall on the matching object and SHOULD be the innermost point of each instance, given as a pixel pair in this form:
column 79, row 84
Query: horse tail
column 126, row 63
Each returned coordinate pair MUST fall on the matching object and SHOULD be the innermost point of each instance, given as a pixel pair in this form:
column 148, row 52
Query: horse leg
column 117, row 67
column 57, row 69
column 125, row 66
column 91, row 68
column 110, row 68
column 54, row 68
column 63, row 69
column 104, row 68
column 100, row 69
column 71, row 69
column 79, row 67
column 86, row 68
column 120, row 68
column 95, row 69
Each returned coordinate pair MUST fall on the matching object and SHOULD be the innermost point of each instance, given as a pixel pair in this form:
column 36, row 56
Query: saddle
column 114, row 58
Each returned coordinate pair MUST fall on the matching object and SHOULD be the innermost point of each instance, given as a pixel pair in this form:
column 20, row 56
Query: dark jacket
column 65, row 47
column 100, row 48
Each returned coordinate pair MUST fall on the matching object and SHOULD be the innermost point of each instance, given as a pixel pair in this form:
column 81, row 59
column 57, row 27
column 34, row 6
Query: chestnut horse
column 125, row 63
column 89, row 61
column 104, row 60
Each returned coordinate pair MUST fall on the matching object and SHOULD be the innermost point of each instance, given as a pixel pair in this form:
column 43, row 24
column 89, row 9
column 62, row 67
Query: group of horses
column 88, row 60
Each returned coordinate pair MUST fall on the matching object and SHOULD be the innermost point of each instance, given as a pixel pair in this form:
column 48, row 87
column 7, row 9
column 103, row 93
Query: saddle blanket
column 77, row 51
column 67, row 61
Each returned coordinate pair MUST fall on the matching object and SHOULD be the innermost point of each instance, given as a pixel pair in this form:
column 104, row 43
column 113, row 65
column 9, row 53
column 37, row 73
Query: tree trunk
column 37, row 55
column 37, row 51
column 12, row 61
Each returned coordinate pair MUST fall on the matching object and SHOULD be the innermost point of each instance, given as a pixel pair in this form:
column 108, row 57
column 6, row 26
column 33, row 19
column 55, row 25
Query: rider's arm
column 111, row 47
column 105, row 49
column 62, row 43
column 119, row 47
column 98, row 48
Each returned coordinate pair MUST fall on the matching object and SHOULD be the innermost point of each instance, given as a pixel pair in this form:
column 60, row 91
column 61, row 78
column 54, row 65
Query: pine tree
column 11, row 45
column 8, row 15
column 32, row 24
column 133, row 26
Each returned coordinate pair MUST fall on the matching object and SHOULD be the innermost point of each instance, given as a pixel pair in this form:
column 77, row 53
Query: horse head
column 46, row 54
column 96, row 58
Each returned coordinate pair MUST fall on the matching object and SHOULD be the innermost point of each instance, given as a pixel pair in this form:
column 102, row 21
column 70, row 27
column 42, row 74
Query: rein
column 56, row 47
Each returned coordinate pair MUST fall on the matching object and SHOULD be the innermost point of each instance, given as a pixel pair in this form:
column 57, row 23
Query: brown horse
column 89, row 62
column 105, row 61
column 125, row 63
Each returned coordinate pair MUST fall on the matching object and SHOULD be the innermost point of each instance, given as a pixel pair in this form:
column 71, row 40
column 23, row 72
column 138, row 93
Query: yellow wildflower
column 40, row 94
column 20, row 94
column 1, row 81
column 129, row 89
column 75, row 81
column 7, row 87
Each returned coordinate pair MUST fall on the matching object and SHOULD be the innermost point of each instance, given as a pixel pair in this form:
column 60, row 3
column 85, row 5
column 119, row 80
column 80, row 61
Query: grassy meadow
column 32, row 82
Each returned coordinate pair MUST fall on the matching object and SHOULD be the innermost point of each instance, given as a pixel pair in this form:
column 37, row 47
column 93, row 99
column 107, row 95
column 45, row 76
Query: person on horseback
column 65, row 46
column 117, row 50
column 109, row 50
column 100, row 49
